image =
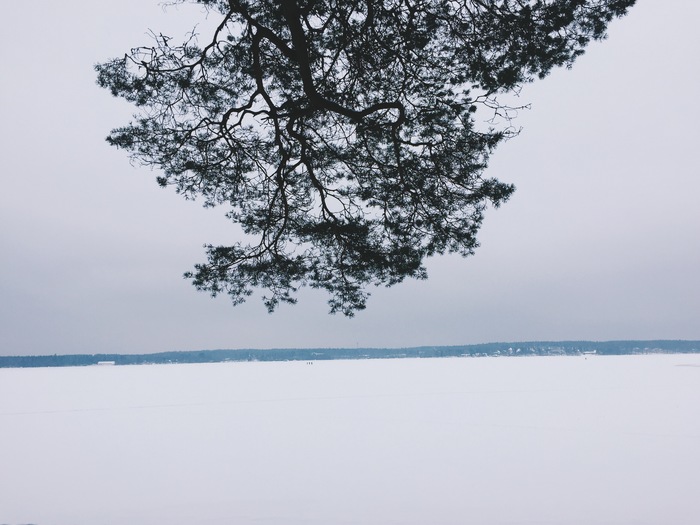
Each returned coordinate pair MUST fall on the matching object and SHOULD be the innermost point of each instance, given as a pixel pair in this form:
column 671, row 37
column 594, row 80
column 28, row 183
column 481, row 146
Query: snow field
column 488, row 441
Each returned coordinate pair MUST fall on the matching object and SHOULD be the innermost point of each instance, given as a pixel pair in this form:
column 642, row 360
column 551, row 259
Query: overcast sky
column 600, row 241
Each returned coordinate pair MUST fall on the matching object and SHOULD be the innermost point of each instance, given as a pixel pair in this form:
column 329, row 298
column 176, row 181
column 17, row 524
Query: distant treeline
column 316, row 354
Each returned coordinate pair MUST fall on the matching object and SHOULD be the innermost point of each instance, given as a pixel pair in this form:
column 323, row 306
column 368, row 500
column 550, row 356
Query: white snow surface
column 486, row 441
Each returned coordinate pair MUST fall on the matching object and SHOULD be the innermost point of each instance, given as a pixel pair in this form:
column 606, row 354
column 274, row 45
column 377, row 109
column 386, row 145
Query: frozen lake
column 484, row 441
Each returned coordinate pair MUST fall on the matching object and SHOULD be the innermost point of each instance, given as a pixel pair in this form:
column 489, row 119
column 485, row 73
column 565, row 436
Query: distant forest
column 542, row 348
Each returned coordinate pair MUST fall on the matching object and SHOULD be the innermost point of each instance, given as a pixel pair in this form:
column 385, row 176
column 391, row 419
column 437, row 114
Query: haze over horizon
column 601, row 240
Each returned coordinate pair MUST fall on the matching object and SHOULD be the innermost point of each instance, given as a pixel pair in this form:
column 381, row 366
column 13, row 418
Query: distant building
column 106, row 363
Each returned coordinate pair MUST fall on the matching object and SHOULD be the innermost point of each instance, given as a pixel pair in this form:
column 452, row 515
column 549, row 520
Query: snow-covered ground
column 484, row 441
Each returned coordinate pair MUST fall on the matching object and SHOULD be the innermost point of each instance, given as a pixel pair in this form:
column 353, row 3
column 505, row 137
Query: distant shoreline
column 526, row 348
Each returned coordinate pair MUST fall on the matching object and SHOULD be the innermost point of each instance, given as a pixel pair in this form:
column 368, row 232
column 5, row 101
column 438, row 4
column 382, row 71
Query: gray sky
column 600, row 241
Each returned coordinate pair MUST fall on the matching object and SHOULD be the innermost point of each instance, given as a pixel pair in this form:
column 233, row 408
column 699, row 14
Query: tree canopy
column 347, row 138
